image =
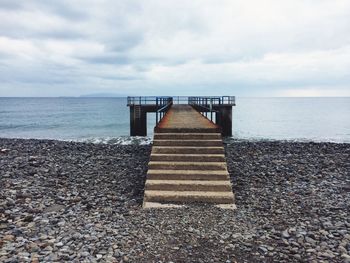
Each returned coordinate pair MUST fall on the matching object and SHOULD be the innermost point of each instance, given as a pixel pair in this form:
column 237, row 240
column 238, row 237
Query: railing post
column 156, row 111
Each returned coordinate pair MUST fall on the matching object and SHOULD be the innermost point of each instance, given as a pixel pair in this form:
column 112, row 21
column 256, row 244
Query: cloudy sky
column 175, row 47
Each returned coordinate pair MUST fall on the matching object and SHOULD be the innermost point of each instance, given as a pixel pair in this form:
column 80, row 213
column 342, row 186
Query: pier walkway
column 218, row 109
column 187, row 162
column 184, row 118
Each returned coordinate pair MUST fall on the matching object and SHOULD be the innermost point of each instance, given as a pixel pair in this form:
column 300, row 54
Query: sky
column 175, row 47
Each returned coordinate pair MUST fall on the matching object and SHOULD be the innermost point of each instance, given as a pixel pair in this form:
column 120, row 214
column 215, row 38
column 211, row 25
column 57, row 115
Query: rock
column 43, row 237
column 342, row 250
column 310, row 241
column 345, row 257
column 6, row 175
column 59, row 244
column 285, row 234
column 54, row 208
column 61, row 223
column 85, row 200
column 85, row 254
column 10, row 201
column 310, row 250
column 328, row 254
column 48, row 248
column 9, row 238
column 32, row 247
column 263, row 249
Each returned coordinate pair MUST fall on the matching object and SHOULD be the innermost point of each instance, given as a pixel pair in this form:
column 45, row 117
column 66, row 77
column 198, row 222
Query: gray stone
column 59, row 244
column 285, row 234
column 263, row 249
column 345, row 257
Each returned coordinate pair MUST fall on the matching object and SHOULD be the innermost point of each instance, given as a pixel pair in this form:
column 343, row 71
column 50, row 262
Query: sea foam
column 122, row 140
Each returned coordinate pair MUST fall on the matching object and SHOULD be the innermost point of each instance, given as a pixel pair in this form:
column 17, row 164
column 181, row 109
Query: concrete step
column 187, row 136
column 187, row 130
column 188, row 150
column 187, row 143
column 189, row 196
column 187, row 175
column 154, row 205
column 188, row 157
column 187, row 165
column 187, row 162
column 188, row 185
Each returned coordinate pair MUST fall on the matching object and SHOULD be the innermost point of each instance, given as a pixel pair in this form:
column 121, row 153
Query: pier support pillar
column 224, row 120
column 138, row 121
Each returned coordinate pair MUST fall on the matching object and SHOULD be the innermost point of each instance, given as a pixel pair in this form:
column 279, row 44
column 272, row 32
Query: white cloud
column 258, row 47
column 317, row 66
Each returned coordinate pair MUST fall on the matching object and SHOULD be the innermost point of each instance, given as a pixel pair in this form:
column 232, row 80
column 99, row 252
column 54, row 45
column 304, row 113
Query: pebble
column 59, row 244
column 85, row 254
column 263, row 249
column 345, row 257
column 70, row 201
column 8, row 238
column 285, row 234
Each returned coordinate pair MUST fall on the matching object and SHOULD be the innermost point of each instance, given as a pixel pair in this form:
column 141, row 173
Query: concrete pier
column 216, row 109
column 187, row 162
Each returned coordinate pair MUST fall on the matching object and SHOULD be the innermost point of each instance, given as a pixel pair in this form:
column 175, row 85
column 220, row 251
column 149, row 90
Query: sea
column 106, row 120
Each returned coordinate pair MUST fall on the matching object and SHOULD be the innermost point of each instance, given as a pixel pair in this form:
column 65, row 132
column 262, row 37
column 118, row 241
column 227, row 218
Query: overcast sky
column 204, row 47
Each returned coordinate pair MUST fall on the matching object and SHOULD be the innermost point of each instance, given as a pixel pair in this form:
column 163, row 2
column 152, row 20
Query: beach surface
column 81, row 202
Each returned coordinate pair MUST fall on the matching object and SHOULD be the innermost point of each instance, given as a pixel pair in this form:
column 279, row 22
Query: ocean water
column 107, row 119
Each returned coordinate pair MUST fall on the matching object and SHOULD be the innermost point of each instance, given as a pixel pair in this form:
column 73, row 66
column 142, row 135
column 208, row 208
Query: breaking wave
column 122, row 140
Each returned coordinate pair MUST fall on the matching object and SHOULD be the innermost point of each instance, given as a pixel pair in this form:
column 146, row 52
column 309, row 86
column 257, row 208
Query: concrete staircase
column 187, row 167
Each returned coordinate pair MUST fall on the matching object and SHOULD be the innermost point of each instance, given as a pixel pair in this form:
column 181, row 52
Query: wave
column 122, row 140
column 230, row 140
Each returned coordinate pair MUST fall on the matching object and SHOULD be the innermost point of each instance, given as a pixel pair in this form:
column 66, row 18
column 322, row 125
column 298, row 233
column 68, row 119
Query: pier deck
column 183, row 118
column 217, row 109
column 187, row 162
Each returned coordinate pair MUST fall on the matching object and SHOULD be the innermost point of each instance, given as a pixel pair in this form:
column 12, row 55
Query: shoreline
column 69, row 201
column 148, row 140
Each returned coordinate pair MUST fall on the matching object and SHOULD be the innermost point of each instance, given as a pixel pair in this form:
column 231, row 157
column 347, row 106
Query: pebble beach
column 82, row 202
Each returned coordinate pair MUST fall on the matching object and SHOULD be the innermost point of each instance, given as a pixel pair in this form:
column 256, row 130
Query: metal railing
column 163, row 104
column 203, row 104
column 143, row 100
column 211, row 100
column 203, row 100
column 206, row 104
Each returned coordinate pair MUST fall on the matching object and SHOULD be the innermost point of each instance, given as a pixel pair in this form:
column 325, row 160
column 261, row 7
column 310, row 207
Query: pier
column 187, row 162
column 217, row 109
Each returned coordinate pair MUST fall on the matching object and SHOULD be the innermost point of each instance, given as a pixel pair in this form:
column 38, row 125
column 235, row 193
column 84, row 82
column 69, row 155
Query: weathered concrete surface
column 188, row 185
column 187, row 162
column 184, row 119
column 187, row 175
column 188, row 157
column 187, row 150
column 187, row 136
